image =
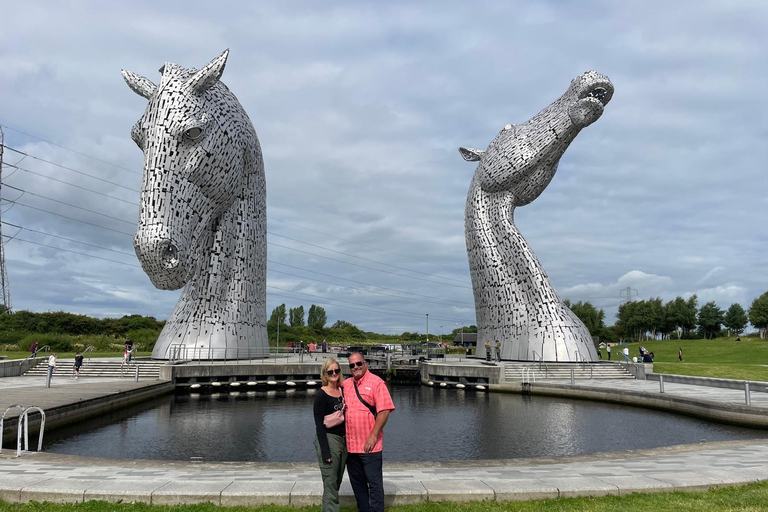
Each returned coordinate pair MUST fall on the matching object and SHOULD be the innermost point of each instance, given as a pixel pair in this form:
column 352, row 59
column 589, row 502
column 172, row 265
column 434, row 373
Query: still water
column 429, row 424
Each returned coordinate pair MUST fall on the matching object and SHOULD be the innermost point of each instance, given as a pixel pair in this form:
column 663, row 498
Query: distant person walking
column 78, row 364
column 487, row 350
column 626, row 354
column 51, row 366
column 129, row 348
column 498, row 351
column 33, row 347
column 680, row 354
column 608, row 349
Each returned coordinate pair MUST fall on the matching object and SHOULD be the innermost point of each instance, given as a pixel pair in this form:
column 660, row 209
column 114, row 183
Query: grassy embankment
column 751, row 498
column 723, row 358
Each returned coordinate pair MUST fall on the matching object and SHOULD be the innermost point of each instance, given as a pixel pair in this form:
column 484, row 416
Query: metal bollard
column 48, row 378
column 573, row 379
column 136, row 378
column 661, row 383
column 746, row 393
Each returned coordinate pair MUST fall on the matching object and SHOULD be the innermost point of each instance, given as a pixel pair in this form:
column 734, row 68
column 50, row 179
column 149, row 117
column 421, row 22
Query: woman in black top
column 330, row 442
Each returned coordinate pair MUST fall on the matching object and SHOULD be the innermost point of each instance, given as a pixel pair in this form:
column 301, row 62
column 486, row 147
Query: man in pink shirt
column 368, row 408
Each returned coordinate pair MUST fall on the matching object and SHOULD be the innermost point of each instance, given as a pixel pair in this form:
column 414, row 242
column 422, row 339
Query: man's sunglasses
column 358, row 363
column 334, row 372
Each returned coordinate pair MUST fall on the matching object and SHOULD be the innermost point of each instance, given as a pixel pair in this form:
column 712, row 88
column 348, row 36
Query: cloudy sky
column 360, row 108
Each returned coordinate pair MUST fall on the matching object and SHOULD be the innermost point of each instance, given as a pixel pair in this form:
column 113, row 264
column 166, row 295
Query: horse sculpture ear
column 471, row 154
column 139, row 84
column 209, row 75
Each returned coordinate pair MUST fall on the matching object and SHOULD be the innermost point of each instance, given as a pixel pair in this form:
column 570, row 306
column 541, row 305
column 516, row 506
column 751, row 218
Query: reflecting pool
column 429, row 424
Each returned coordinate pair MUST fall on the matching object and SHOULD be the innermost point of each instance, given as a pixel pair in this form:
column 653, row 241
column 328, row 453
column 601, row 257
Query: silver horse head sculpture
column 515, row 302
column 202, row 222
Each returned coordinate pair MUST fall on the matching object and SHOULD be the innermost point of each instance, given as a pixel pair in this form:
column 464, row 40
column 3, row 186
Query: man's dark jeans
column 367, row 481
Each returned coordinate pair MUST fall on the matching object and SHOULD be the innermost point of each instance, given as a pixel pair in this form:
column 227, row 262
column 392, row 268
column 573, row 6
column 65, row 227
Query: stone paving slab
column 522, row 489
column 628, row 484
column 458, row 490
column 257, row 492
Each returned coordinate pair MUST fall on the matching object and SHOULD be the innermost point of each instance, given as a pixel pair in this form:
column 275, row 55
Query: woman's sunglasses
column 358, row 363
column 334, row 372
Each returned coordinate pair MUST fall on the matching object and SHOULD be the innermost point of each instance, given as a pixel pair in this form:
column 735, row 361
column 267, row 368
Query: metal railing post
column 136, row 378
column 661, row 383
column 747, row 398
column 48, row 377
column 573, row 378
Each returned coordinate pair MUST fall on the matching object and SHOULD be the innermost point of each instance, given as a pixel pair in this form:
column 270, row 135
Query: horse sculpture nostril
column 170, row 256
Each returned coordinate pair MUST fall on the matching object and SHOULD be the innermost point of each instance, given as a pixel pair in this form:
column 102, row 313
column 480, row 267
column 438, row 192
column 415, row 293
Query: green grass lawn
column 750, row 498
column 723, row 358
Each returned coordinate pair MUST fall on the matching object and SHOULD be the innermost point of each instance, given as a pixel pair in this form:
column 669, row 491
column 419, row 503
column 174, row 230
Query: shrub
column 144, row 339
column 57, row 342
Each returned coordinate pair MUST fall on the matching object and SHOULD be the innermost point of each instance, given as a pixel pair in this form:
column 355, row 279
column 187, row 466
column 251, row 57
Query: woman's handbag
column 336, row 418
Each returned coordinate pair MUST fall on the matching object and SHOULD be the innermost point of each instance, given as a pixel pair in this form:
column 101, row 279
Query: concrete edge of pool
column 71, row 479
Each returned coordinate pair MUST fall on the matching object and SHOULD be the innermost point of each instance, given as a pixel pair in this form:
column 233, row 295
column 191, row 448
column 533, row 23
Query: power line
column 408, row 313
column 71, row 150
column 24, row 155
column 363, row 308
column 71, row 218
column 69, row 169
column 71, row 184
column 69, row 204
column 368, row 284
column 361, row 258
column 269, row 232
column 67, row 239
column 364, row 245
column 359, row 289
column 363, row 266
column 75, row 252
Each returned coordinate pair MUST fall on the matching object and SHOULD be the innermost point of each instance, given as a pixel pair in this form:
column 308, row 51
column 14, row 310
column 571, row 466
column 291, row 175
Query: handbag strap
column 369, row 406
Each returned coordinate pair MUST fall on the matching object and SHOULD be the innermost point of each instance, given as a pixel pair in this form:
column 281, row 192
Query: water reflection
column 429, row 424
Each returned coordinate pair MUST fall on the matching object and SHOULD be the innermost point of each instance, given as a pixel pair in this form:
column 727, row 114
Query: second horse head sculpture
column 202, row 222
column 514, row 300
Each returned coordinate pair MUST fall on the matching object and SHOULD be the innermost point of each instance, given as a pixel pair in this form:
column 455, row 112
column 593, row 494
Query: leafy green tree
column 655, row 313
column 593, row 318
column 316, row 317
column 278, row 315
column 341, row 324
column 296, row 316
column 710, row 319
column 735, row 319
column 758, row 314
column 691, row 314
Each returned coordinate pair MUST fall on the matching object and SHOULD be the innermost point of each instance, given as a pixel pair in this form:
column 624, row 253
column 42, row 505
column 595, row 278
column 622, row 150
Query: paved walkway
column 49, row 477
column 718, row 395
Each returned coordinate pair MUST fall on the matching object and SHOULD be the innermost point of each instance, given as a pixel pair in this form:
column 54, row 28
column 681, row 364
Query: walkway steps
column 96, row 368
column 514, row 371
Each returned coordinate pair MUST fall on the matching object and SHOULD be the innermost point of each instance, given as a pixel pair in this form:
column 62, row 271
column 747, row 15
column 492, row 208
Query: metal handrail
column 23, row 422
column 584, row 363
column 33, row 355
column 89, row 350
column 541, row 362
column 2, row 420
column 528, row 374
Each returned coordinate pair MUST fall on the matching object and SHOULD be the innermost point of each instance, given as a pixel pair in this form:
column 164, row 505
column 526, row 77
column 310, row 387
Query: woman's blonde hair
column 324, row 371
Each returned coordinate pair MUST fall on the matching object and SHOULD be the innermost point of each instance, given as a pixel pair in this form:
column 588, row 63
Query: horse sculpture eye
column 194, row 133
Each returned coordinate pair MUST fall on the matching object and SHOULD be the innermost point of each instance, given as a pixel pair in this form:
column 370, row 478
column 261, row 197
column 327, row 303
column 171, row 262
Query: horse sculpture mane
column 515, row 302
column 202, row 221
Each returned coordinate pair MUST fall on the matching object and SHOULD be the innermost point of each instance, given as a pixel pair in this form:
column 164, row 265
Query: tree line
column 681, row 318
